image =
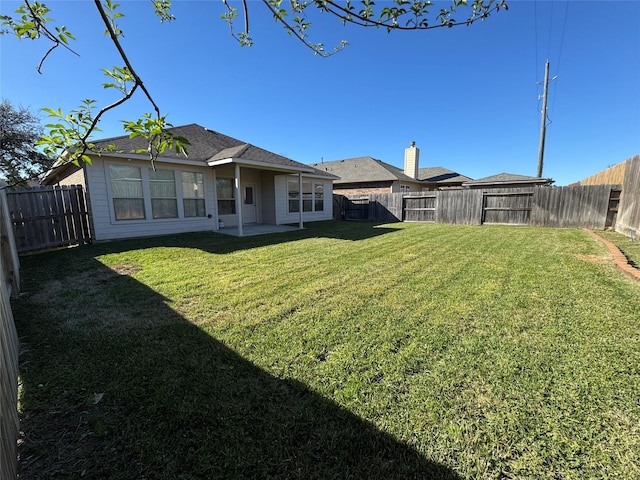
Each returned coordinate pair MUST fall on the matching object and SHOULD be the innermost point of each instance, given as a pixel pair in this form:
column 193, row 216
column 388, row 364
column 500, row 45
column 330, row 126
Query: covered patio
column 258, row 229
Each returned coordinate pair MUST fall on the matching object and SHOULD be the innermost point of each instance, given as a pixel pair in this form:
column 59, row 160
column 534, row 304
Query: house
column 222, row 182
column 438, row 178
column 507, row 180
column 366, row 175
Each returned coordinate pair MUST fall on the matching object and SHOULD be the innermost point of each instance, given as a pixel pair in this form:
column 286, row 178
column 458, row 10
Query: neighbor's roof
column 363, row 169
column 441, row 175
column 212, row 148
column 508, row 178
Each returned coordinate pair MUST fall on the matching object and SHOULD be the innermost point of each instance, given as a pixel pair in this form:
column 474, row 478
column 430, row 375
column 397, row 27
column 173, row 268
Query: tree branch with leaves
column 69, row 135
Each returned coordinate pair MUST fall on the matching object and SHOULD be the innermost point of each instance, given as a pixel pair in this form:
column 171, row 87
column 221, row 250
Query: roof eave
column 261, row 165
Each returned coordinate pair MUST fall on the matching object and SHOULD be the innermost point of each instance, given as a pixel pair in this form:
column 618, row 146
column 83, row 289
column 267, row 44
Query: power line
column 564, row 28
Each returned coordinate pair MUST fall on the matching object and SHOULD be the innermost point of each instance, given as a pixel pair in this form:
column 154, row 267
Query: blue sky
column 467, row 96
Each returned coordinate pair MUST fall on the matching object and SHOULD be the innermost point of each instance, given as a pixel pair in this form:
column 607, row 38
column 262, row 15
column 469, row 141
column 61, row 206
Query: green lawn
column 630, row 247
column 347, row 350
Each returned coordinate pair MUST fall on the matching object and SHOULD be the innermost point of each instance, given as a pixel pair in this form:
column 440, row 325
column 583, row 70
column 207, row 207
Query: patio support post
column 300, row 204
column 238, row 200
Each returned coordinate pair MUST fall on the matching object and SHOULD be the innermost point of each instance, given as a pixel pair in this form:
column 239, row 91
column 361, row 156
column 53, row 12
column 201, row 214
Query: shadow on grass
column 212, row 242
column 115, row 384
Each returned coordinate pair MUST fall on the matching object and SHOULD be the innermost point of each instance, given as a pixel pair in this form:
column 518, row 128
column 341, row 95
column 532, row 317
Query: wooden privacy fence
column 49, row 217
column 588, row 206
column 628, row 221
column 579, row 206
column 10, row 284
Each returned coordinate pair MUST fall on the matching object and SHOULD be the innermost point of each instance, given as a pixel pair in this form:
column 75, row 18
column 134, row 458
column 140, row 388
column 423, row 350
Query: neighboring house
column 366, row 175
column 221, row 181
column 507, row 180
column 438, row 178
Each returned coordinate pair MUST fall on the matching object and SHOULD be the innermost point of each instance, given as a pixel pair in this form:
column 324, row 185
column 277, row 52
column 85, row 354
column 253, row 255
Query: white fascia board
column 261, row 165
column 316, row 176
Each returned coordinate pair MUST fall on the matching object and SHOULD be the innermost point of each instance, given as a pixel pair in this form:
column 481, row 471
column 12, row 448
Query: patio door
column 249, row 207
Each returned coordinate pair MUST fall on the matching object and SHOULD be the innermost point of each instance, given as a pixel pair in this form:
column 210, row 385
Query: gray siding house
column 222, row 182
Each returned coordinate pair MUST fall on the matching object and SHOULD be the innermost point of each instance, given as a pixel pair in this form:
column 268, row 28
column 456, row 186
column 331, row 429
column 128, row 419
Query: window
column 307, row 197
column 140, row 193
column 312, row 196
column 226, row 196
column 293, row 191
column 126, row 188
column 319, row 197
column 248, row 196
column 164, row 203
column 193, row 194
column 405, row 188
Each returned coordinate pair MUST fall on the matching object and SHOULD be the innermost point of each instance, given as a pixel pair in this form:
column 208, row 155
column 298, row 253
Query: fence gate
column 49, row 217
column 420, row 208
column 511, row 208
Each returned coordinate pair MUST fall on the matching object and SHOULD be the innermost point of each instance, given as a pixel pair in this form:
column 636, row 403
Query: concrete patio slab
column 257, row 229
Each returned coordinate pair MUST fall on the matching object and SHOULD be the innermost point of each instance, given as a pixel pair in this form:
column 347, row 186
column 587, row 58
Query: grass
column 630, row 247
column 348, row 350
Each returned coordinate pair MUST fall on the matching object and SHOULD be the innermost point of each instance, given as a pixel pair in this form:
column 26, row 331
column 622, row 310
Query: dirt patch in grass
column 597, row 259
column 89, row 300
column 86, row 280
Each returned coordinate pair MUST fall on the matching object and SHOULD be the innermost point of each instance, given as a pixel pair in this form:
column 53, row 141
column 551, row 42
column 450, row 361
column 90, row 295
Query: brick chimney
column 411, row 160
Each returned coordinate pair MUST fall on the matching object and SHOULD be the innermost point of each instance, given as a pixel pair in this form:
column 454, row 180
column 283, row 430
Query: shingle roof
column 207, row 145
column 441, row 175
column 363, row 169
column 508, row 178
column 369, row 169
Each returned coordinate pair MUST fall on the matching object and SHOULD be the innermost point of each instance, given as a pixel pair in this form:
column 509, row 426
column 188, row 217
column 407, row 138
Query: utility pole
column 543, row 123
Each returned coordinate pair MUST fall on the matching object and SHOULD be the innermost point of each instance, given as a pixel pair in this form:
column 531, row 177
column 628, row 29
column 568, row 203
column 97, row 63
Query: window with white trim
column 226, row 196
column 139, row 193
column 318, row 197
column 293, row 194
column 164, row 202
column 307, row 196
column 126, row 189
column 193, row 194
column 312, row 196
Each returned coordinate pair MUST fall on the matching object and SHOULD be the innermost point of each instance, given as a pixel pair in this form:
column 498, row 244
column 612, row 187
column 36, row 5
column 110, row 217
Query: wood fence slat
column 9, row 285
column 628, row 218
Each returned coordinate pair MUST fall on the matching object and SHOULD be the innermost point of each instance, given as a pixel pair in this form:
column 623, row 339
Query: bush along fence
column 9, row 285
column 593, row 206
column 49, row 217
